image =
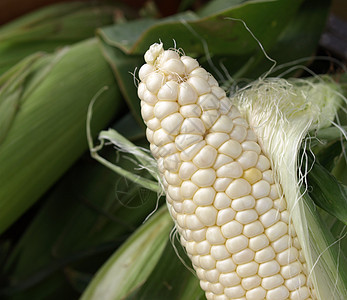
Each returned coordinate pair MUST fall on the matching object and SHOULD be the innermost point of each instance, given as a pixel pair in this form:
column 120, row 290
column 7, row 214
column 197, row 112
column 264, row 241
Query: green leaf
column 330, row 263
column 170, row 279
column 327, row 192
column 84, row 218
column 123, row 66
column 50, row 28
column 131, row 264
column 11, row 92
column 48, row 133
column 194, row 34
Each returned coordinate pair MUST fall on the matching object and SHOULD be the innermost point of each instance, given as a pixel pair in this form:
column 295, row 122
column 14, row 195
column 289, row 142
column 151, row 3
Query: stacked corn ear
column 51, row 27
column 45, row 132
column 220, row 190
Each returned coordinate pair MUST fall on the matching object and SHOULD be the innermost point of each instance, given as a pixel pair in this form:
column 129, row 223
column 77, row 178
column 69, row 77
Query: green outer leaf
column 48, row 134
column 84, row 217
column 330, row 264
column 50, row 28
column 11, row 92
column 223, row 36
column 122, row 66
column 131, row 264
column 327, row 192
column 170, row 279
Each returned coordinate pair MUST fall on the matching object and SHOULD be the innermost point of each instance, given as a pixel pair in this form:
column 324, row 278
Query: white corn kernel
column 200, row 85
column 221, row 201
column 291, row 270
column 229, row 279
column 287, row 256
column 183, row 141
column 204, row 177
column 154, row 82
column 265, row 255
column 231, row 229
column 226, row 266
column 222, row 160
column 190, row 111
column 215, row 236
column 295, row 282
column 251, row 282
column 204, row 196
column 269, row 268
column 188, row 189
column 263, row 163
column 272, row 282
column 189, row 153
column 187, row 94
column 243, row 203
column 187, row 169
column 260, row 189
column 232, row 170
column 248, row 269
column 246, row 216
column 189, row 63
column 209, row 118
column 253, row 229
column 252, row 175
column 206, row 157
column 207, row 262
column 301, row 293
column 219, row 252
column 248, row 159
column 239, row 133
column 257, row 293
column 234, row 292
column 208, row 102
column 263, row 205
column 270, row 217
column 221, row 184
column 169, row 91
column 244, row 256
column 238, row 188
column 203, row 248
column 224, row 216
column 279, row 293
column 145, row 70
column 223, row 124
column 165, row 108
column 276, row 231
column 207, row 215
column 236, row 244
column 258, row 242
column 231, row 148
column 172, row 124
column 193, row 126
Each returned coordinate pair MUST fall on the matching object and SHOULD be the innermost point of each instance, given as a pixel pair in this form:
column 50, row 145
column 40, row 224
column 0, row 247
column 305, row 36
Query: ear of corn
column 50, row 28
column 221, row 191
column 41, row 144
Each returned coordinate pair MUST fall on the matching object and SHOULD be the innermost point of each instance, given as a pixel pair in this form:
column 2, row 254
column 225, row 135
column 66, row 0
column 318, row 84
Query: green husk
column 282, row 113
column 50, row 28
column 133, row 262
column 47, row 133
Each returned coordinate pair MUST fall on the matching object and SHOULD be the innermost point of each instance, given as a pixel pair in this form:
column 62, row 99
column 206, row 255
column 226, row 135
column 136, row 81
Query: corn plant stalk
column 48, row 131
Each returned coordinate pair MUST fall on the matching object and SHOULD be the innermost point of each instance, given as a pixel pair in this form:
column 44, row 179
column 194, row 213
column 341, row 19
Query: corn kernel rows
column 219, row 185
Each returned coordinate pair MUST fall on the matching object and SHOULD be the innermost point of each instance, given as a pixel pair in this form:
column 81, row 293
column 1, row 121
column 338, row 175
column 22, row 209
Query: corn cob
column 220, row 190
